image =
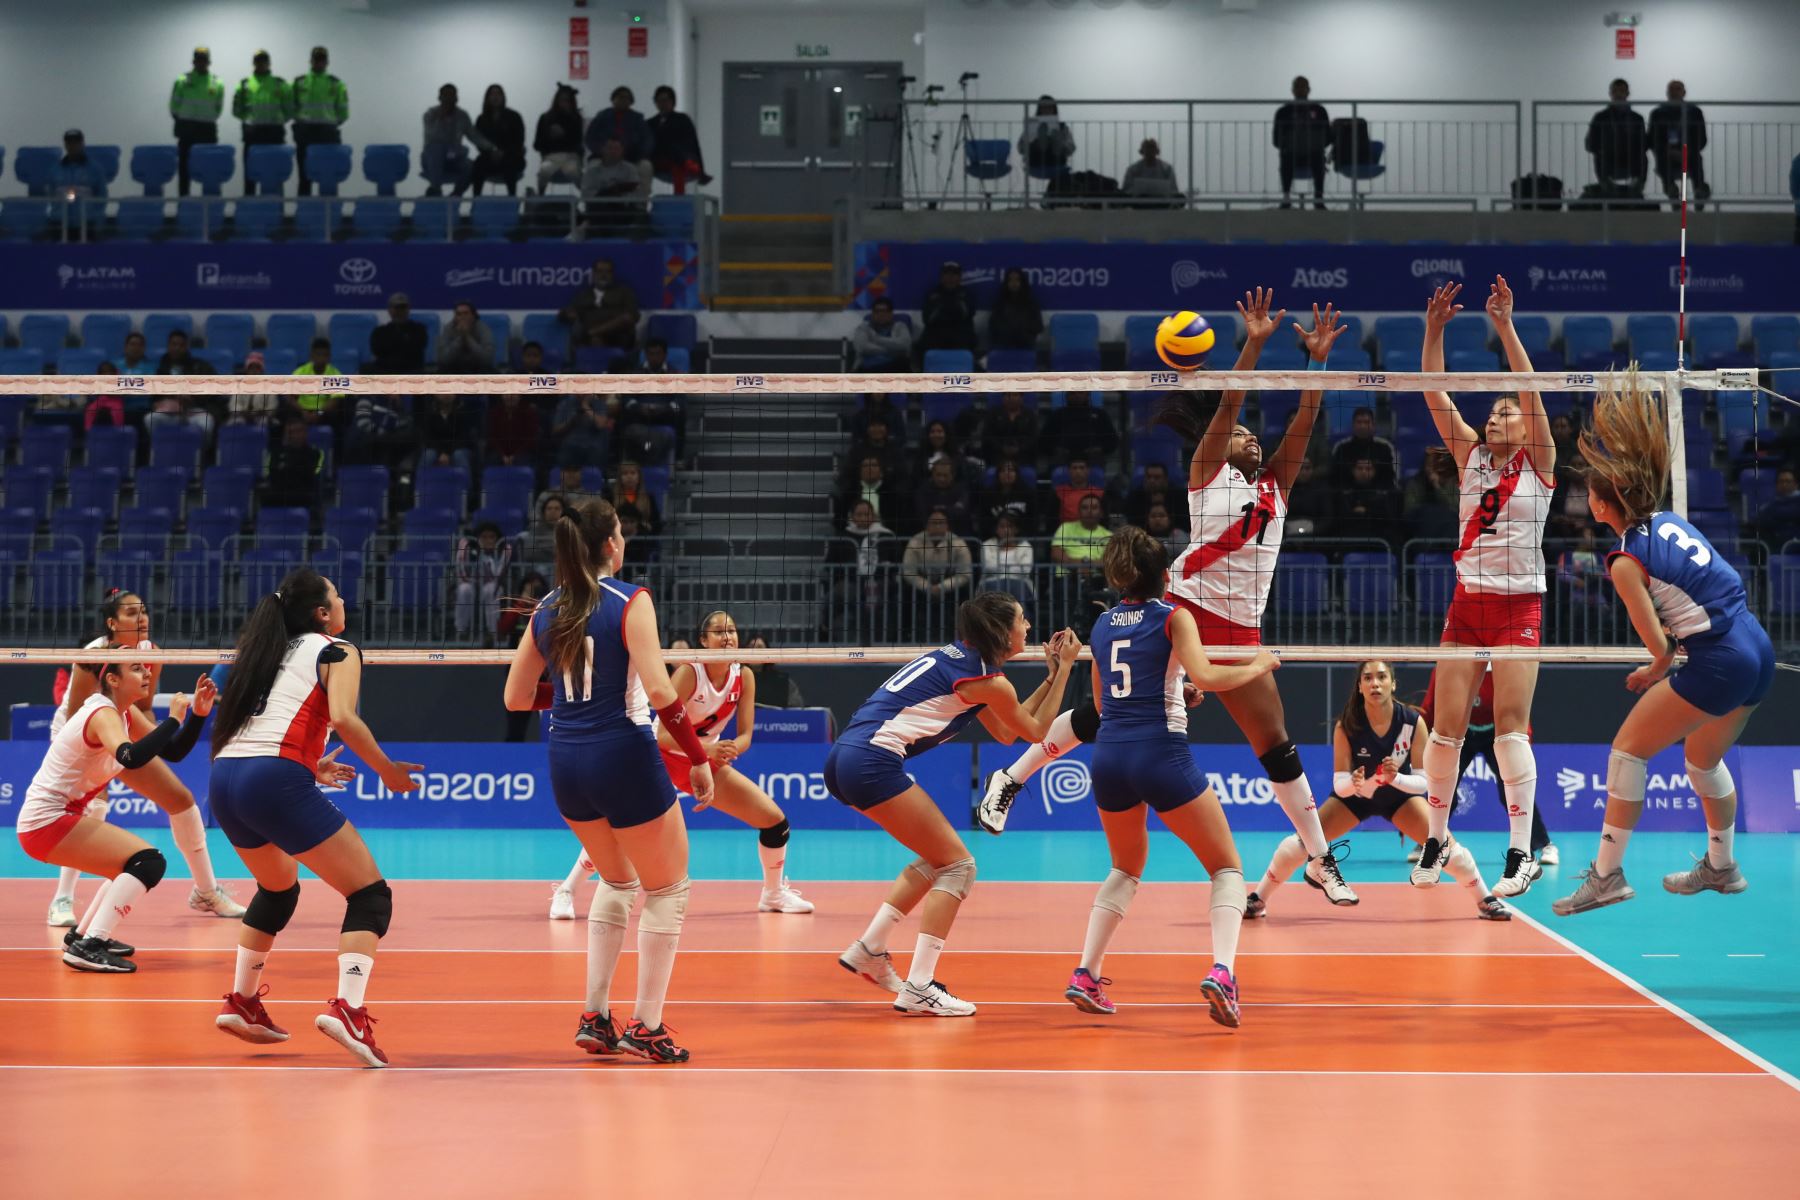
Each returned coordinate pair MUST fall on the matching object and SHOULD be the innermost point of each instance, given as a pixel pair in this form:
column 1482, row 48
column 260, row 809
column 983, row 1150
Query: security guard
column 321, row 106
column 264, row 102
column 196, row 102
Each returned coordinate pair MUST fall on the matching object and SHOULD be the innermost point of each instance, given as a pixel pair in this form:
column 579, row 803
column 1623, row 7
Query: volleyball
column 1183, row 339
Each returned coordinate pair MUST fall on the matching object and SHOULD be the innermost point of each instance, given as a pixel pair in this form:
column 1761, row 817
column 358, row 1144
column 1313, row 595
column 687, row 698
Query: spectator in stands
column 948, row 316
column 1155, row 490
column 651, row 426
column 398, row 346
column 1079, row 543
column 1302, row 131
column 318, row 407
column 444, row 157
column 881, row 343
column 873, row 485
column 483, row 566
column 628, row 487
column 855, row 566
column 1570, row 512
column 622, row 123
column 1150, row 177
column 447, row 433
column 1580, row 574
column 195, row 104
column 1367, row 508
column 178, row 357
column 321, row 107
column 381, row 434
column 937, row 444
column 943, row 492
column 1009, row 497
column 582, row 430
column 504, row 130
column 1159, row 525
column 1009, row 430
column 103, row 409
column 1309, row 503
column 531, row 358
column 604, row 313
column 512, row 628
column 263, row 104
column 294, row 467
column 610, row 177
column 134, row 362
column 1617, row 140
column 937, row 563
column 774, row 687
column 1673, row 124
column 877, row 405
column 877, row 441
column 1778, row 522
column 1360, row 445
column 1046, row 145
column 674, row 144
column 640, row 548
column 1432, row 497
column 1016, row 322
column 252, row 408
column 558, row 140
column 1563, row 435
column 465, row 345
column 76, row 174
column 539, row 546
column 1080, row 427
column 1008, row 562
column 512, row 431
column 1079, row 487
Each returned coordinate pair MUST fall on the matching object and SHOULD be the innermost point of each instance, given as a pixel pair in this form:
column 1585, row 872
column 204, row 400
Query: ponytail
column 278, row 618
column 581, row 535
column 1187, row 413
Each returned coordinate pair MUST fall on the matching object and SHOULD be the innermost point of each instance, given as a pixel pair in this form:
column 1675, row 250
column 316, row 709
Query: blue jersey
column 1696, row 592
column 1369, row 748
column 1140, row 676
column 608, row 696
column 919, row 707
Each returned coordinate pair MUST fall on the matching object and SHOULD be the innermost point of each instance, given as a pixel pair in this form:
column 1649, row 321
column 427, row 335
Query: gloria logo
column 1315, row 277
column 1423, row 267
column 1186, row 273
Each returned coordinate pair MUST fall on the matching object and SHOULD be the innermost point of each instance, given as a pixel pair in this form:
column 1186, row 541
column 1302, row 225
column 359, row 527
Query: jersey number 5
column 1257, row 513
column 1687, row 545
column 1122, row 669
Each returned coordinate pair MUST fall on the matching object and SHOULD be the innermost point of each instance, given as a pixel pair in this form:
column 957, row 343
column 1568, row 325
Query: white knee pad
column 1625, row 777
column 612, row 903
column 664, row 908
column 1441, row 754
column 1228, row 888
column 1117, row 892
column 1514, row 757
column 923, row 870
column 957, row 878
column 1711, row 783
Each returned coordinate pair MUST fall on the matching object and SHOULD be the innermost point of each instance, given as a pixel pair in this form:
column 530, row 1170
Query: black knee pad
column 1282, row 763
column 147, row 867
column 369, row 909
column 775, row 836
column 1085, row 721
column 269, row 912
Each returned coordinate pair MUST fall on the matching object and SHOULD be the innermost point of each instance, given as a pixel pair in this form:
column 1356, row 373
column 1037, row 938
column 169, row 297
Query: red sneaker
column 245, row 1017
column 353, row 1029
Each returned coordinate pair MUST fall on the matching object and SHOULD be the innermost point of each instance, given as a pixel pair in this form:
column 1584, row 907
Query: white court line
column 1659, row 956
column 625, row 1068
column 582, row 950
column 1743, row 956
column 565, row 1002
column 1742, row 1051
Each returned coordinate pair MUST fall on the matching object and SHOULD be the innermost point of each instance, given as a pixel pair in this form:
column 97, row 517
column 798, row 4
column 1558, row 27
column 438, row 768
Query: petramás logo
column 1316, row 277
column 212, row 276
column 356, row 277
column 1717, row 284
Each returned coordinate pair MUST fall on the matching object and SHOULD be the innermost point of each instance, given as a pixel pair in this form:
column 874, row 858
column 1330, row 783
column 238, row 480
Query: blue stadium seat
column 161, row 487
column 35, row 167
column 47, row 446
column 1534, row 334
column 656, row 482
column 22, row 220
column 291, row 331
column 1466, row 331
column 1074, row 358
column 1401, row 358
column 1282, row 353
column 146, row 529
column 511, row 520
column 227, row 331
column 107, row 158
column 1714, row 337
column 214, row 528
column 1353, row 332
column 1302, row 586
column 80, row 524
column 430, row 529
column 493, row 218
column 1649, row 331
column 139, row 218
column 347, row 359
column 441, row 488
column 1588, row 342
column 197, row 220
column 261, row 569
column 1656, row 360
column 507, row 487
column 95, row 488
column 1433, row 582
column 374, row 220
column 1472, row 360
column 269, row 168
column 57, row 577
column 211, row 167
column 345, row 570
column 1020, row 361
column 1157, row 445
column 672, row 217
column 128, row 570
column 596, row 360
column 47, row 333
column 546, row 331
column 680, row 330
column 362, row 487
column 1140, row 343
column 949, row 362
column 243, row 447
column 283, row 526
column 158, row 327
column 154, row 167
column 1228, row 331
column 1346, row 355
column 1074, row 330
column 316, row 220
column 80, row 362
column 1742, row 414
column 1784, row 583
column 228, row 487
column 221, row 361
column 28, row 487
column 1368, row 583
column 434, row 219
column 1773, row 335
column 351, row 330
column 258, row 218
column 328, row 166
column 352, row 527
column 196, row 585
column 1706, row 491
column 113, row 447
column 1339, row 408
column 500, row 325
column 386, row 166
column 177, row 446
column 22, row 360
column 418, row 574
column 281, row 361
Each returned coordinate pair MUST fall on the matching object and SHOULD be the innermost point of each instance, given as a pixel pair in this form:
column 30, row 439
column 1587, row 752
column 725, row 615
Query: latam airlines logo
column 1567, row 279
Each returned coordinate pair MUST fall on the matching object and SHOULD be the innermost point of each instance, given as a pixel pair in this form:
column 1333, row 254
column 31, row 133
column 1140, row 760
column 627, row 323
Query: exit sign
column 1624, row 43
column 637, row 42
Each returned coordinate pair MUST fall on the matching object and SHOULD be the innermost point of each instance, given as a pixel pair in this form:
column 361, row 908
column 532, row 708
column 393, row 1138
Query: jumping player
column 926, row 703
column 1507, row 480
column 713, row 692
column 108, row 733
column 1141, row 650
column 1681, row 594
column 1239, row 509
column 1373, row 776
column 292, row 684
column 598, row 637
column 1479, row 740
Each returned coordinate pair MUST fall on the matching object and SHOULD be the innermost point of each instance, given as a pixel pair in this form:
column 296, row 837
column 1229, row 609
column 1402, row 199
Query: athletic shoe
column 1255, row 907
column 91, row 954
column 218, row 902
column 932, row 1000
column 245, row 1017
column 1706, row 878
column 1520, row 873
column 562, row 904
column 997, row 801
column 112, row 947
column 353, row 1029
column 597, row 1034
column 1084, row 993
column 1549, row 856
column 1221, row 993
column 62, row 913
column 783, row 900
column 1596, row 891
column 1431, row 862
column 1322, row 873
column 1489, row 908
column 653, row 1044
column 1412, row 852
column 878, row 969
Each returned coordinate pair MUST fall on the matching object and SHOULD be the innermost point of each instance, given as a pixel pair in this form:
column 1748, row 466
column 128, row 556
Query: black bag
column 1350, row 143
column 1541, row 192
column 1613, row 197
column 1087, row 189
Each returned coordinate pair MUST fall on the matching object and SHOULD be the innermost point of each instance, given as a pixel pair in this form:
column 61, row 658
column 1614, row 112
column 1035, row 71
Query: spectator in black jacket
column 675, row 144
column 1673, row 124
column 1009, row 430
column 878, row 405
column 948, row 317
column 398, row 347
column 294, row 468
column 1079, row 428
column 1016, row 321
column 559, row 133
column 1778, row 523
column 1309, row 506
column 1362, row 444
column 857, row 563
column 504, row 130
column 943, row 490
column 1154, row 491
column 1009, row 496
column 1368, row 509
column 446, row 433
column 880, row 443
column 1616, row 139
column 881, row 493
column 1302, row 131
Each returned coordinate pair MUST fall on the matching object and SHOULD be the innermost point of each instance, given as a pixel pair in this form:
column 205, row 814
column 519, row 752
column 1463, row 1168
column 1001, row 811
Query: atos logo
column 747, row 383
column 541, row 382
column 960, row 383
column 1338, row 277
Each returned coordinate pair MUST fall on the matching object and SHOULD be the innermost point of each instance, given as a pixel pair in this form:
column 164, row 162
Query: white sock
column 353, row 978
column 924, row 960
column 656, row 962
column 93, row 909
column 1718, row 847
column 1518, row 773
column 1060, row 741
column 123, row 892
column 65, row 884
column 1227, row 916
column 1282, row 864
column 774, row 862
column 875, row 938
column 1462, row 868
column 190, row 839
column 604, row 944
column 1296, row 800
column 1612, row 849
column 1439, row 763
column 248, row 976
column 580, row 871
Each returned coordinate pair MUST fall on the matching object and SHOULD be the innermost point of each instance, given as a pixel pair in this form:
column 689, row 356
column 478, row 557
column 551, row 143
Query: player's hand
column 700, row 783
column 1069, row 648
column 1500, row 301
column 1324, row 332
column 723, row 753
column 398, row 777
column 1191, row 695
column 1265, row 662
column 206, row 693
column 178, row 705
column 1385, row 773
column 1647, row 677
column 1442, row 307
column 1259, row 326
column 332, row 773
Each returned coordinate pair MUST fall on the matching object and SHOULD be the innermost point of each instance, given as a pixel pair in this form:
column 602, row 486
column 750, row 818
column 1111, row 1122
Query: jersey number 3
column 1687, row 545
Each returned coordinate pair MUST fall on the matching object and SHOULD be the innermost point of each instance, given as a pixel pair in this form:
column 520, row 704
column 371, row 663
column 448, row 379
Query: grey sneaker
column 1596, row 891
column 1706, row 878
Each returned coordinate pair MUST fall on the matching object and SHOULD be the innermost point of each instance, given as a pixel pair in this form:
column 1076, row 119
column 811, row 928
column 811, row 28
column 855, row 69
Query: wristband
column 674, row 719
column 544, row 697
column 1313, row 364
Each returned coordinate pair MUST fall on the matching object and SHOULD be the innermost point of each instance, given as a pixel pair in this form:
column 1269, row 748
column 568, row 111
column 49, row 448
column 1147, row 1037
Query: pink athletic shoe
column 1084, row 993
column 1221, row 993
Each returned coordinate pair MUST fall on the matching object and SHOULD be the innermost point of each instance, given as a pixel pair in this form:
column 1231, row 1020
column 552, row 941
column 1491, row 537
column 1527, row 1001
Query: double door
column 797, row 137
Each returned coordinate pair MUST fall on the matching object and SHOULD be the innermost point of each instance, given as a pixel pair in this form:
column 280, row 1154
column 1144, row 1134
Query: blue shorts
column 1160, row 772
column 864, row 776
column 261, row 800
column 616, row 777
column 1726, row 672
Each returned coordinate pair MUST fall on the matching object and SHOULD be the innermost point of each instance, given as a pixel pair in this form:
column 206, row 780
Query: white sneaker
column 1520, row 873
column 932, row 1000
column 218, row 902
column 997, row 801
column 62, row 913
column 1431, row 862
column 562, row 904
column 1322, row 873
column 1549, row 856
column 783, row 900
column 878, row 969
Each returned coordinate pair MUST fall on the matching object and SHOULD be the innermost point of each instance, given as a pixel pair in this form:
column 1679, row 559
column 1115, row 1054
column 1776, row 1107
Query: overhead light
column 838, row 88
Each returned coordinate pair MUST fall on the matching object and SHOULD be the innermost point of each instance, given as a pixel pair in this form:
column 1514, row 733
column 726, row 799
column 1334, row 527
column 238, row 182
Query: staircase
column 775, row 263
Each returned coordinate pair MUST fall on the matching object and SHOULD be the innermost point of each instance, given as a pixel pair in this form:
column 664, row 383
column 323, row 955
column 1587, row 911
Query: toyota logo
column 356, row 270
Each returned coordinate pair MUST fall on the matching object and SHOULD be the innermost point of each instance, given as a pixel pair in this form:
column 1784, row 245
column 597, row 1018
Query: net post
column 1671, row 389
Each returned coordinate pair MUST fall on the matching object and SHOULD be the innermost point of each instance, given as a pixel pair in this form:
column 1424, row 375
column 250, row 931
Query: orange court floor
column 1399, row 1048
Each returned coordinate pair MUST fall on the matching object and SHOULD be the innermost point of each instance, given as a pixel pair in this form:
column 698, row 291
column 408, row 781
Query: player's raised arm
column 1458, row 437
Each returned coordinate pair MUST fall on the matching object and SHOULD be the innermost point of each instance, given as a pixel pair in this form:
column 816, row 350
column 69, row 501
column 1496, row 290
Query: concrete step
column 741, row 507
column 761, row 483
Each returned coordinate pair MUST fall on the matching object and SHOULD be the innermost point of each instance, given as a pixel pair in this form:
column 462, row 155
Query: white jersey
column 1229, row 565
column 709, row 708
column 74, row 770
column 1502, row 511
column 294, row 719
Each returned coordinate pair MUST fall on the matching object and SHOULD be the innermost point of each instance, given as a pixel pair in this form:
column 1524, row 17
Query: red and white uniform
column 1228, row 567
column 295, row 718
column 1500, row 555
column 708, row 710
column 75, row 770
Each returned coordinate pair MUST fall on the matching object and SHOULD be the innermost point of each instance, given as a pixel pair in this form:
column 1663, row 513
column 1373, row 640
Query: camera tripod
column 964, row 132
